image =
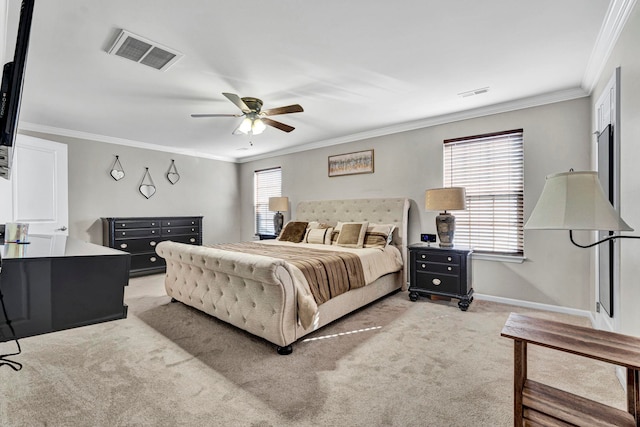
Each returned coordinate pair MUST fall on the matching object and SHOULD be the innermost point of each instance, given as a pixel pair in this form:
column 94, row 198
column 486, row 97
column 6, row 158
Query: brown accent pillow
column 378, row 235
column 352, row 234
column 293, row 231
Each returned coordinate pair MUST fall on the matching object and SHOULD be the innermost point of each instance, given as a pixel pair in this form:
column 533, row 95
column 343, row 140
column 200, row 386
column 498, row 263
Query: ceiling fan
column 255, row 118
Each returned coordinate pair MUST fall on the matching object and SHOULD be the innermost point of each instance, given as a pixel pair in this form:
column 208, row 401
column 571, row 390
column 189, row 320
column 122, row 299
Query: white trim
column 4, row 19
column 119, row 141
column 538, row 306
column 503, row 107
column 614, row 21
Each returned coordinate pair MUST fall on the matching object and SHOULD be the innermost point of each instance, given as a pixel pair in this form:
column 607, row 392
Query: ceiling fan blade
column 216, row 115
column 277, row 125
column 295, row 108
column 238, row 101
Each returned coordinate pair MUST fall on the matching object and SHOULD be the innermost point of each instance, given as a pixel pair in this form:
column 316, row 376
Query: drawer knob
column 124, row 232
column 449, row 268
column 448, row 258
column 193, row 223
column 424, row 265
column 123, row 225
column 168, row 231
column 436, row 282
column 169, row 223
column 152, row 243
column 423, row 256
column 153, row 259
column 153, row 223
column 192, row 240
column 153, row 231
column 123, row 245
column 193, row 229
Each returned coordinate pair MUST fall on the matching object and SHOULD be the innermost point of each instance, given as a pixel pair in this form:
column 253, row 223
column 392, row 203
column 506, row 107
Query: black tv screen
column 12, row 81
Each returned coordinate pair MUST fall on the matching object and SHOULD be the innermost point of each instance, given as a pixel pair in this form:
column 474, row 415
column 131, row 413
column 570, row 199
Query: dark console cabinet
column 442, row 272
column 140, row 235
column 57, row 282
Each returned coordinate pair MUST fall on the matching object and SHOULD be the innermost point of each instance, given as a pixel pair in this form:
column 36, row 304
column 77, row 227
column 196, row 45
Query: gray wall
column 556, row 138
column 206, row 187
column 625, row 55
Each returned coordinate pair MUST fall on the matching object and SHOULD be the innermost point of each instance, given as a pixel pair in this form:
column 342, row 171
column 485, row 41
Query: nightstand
column 438, row 271
column 267, row 236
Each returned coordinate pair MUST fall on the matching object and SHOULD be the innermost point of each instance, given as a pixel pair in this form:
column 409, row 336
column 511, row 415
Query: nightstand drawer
column 127, row 224
column 179, row 222
column 138, row 232
column 434, row 267
column 172, row 231
column 148, row 260
column 437, row 282
column 436, row 257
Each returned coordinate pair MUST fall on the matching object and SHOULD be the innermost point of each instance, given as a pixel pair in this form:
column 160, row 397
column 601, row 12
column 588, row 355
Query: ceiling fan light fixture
column 245, row 126
column 258, row 126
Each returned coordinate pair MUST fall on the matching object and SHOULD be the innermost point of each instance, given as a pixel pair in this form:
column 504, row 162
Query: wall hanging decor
column 117, row 172
column 172, row 173
column 147, row 187
column 351, row 163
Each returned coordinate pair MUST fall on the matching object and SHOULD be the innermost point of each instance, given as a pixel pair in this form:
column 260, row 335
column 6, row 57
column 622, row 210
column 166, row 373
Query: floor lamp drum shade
column 574, row 201
column 278, row 205
column 443, row 200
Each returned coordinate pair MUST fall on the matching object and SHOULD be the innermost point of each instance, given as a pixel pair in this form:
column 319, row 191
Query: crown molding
column 32, row 127
column 614, row 21
column 533, row 101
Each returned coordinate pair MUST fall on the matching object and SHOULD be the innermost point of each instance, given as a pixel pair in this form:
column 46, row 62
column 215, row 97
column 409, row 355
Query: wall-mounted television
column 12, row 81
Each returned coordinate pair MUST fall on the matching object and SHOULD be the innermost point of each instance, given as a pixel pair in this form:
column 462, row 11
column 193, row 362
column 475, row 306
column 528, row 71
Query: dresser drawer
column 180, row 222
column 191, row 239
column 137, row 232
column 137, row 245
column 172, row 231
column 136, row 223
column 437, row 282
column 434, row 267
column 436, row 257
column 147, row 260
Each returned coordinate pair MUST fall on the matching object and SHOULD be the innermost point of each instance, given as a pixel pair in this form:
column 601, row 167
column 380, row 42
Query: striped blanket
column 328, row 273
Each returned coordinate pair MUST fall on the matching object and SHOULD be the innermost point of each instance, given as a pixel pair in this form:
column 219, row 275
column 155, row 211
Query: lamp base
column 278, row 222
column 446, row 226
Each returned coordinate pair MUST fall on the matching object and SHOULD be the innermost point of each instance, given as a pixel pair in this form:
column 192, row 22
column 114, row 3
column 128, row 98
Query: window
column 491, row 168
column 267, row 183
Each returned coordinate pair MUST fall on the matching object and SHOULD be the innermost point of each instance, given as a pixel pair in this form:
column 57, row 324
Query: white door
column 40, row 187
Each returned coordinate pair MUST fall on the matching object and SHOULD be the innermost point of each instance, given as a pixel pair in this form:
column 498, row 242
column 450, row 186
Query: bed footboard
column 254, row 293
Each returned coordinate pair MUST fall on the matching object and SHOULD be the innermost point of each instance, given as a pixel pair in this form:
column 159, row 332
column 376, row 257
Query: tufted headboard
column 383, row 211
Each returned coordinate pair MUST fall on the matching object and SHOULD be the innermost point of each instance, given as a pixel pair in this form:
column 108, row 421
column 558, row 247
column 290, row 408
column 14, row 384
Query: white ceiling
column 358, row 67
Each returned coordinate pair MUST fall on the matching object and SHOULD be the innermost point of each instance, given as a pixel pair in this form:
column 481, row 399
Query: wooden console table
column 537, row 404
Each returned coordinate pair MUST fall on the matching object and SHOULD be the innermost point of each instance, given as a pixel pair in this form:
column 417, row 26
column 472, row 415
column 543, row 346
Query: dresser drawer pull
column 153, row 231
column 152, row 243
column 448, row 258
column 449, row 268
column 168, row 231
column 153, row 223
column 423, row 256
column 153, row 259
column 193, row 229
column 193, row 223
column 123, row 225
column 192, row 240
column 124, row 233
column 424, row 265
column 123, row 245
column 436, row 282
column 168, row 222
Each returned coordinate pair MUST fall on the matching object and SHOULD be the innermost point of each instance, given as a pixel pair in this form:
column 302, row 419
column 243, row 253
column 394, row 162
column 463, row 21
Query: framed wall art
column 351, row 163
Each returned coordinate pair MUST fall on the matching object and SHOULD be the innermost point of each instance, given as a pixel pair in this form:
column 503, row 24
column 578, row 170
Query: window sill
column 518, row 259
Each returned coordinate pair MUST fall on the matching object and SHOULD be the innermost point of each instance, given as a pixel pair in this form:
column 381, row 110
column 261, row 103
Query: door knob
column 63, row 228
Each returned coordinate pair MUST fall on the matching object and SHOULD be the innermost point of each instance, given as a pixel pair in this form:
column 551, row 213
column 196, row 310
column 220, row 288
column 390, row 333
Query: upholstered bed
column 268, row 296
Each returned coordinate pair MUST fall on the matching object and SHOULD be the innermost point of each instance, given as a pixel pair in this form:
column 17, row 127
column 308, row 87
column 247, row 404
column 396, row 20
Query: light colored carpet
column 408, row 364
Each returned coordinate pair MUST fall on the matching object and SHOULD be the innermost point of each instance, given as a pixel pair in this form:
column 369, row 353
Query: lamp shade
column 574, row 201
column 278, row 204
column 445, row 199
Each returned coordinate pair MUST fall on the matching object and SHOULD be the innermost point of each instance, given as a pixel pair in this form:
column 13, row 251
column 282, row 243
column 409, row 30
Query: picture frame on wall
column 355, row 163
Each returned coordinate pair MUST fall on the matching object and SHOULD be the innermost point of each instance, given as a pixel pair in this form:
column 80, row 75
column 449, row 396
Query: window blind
column 491, row 168
column 267, row 183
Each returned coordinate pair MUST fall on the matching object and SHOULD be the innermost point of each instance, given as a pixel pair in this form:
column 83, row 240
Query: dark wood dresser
column 438, row 271
column 140, row 235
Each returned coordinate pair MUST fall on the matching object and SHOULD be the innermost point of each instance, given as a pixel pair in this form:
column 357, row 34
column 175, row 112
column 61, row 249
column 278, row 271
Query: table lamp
column 278, row 205
column 443, row 200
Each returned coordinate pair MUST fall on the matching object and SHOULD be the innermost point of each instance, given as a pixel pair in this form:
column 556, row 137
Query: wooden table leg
column 519, row 376
column 633, row 396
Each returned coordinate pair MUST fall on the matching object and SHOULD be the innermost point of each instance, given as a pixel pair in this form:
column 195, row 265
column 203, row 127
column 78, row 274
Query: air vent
column 474, row 92
column 143, row 51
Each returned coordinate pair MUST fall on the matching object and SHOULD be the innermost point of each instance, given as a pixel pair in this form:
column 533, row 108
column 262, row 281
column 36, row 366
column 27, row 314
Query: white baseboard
column 538, row 306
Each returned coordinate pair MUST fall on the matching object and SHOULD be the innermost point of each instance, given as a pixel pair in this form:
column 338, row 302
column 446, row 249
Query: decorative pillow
column 378, row 235
column 316, row 235
column 352, row 234
column 293, row 231
column 328, row 236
